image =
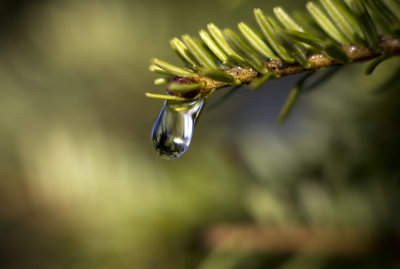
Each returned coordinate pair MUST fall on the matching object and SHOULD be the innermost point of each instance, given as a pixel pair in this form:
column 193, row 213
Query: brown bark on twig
column 387, row 46
column 347, row 243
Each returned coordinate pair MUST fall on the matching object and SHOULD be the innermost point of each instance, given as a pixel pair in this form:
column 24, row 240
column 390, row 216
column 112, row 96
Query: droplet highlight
column 173, row 130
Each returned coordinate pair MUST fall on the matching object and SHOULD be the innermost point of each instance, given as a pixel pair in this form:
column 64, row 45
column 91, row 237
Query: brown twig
column 348, row 243
column 389, row 46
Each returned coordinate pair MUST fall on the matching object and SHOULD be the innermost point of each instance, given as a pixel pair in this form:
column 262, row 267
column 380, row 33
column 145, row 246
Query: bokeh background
column 82, row 187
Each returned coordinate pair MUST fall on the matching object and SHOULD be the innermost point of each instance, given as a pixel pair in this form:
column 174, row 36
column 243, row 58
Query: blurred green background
column 82, row 187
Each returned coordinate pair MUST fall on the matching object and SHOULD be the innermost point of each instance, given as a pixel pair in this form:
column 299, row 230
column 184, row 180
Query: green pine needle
column 374, row 64
column 326, row 24
column 292, row 98
column 267, row 29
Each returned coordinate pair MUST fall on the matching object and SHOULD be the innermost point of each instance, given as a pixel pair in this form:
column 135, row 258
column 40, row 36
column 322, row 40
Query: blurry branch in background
column 350, row 243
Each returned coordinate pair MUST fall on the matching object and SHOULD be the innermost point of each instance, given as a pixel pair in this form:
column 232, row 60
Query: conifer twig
column 347, row 32
column 388, row 46
column 350, row 243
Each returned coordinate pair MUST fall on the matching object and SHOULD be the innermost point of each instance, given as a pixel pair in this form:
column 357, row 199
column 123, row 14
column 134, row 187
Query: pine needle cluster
column 337, row 33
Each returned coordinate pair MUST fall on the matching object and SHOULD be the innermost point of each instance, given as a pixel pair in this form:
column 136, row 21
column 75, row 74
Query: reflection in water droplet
column 173, row 129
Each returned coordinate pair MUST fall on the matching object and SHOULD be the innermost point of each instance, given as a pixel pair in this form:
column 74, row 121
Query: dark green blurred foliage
column 80, row 184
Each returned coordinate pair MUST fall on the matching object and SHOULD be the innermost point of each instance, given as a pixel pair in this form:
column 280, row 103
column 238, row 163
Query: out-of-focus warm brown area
column 82, row 187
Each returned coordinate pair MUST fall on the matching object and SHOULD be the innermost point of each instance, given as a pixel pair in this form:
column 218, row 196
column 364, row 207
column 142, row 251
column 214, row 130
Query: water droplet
column 173, row 129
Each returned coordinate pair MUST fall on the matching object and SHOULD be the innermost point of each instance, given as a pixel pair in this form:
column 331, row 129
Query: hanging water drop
column 173, row 129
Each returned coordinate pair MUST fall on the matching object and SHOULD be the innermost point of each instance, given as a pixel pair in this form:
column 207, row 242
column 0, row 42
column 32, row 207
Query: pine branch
column 347, row 31
column 347, row 243
column 279, row 68
column 359, row 30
